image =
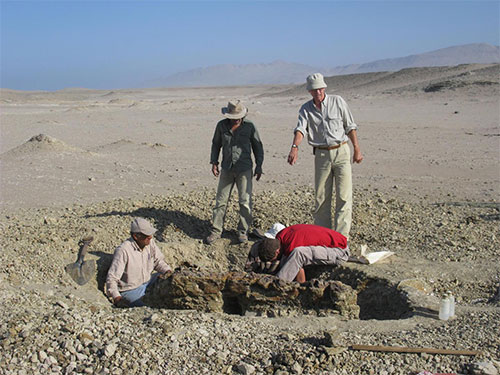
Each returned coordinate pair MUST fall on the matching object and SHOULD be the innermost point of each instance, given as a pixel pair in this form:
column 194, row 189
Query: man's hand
column 357, row 157
column 120, row 302
column 257, row 176
column 293, row 155
column 294, row 152
column 215, row 170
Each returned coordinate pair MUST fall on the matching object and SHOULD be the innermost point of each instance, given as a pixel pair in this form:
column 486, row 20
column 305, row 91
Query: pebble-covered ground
column 50, row 325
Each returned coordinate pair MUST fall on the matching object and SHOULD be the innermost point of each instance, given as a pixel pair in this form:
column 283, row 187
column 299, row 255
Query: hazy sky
column 48, row 45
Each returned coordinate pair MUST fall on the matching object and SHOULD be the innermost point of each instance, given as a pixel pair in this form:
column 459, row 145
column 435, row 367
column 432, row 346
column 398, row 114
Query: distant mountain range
column 281, row 72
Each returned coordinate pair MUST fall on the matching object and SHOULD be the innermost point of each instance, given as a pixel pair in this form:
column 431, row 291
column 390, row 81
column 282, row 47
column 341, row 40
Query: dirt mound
column 42, row 143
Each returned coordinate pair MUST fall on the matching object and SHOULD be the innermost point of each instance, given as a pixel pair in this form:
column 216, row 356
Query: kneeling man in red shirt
column 302, row 245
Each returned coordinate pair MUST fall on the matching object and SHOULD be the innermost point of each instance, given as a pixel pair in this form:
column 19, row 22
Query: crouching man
column 302, row 245
column 133, row 262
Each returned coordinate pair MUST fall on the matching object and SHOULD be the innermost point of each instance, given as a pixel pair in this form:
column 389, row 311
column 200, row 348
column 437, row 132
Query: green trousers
column 243, row 182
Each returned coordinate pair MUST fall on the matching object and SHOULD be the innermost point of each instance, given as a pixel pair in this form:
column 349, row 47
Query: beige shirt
column 328, row 126
column 131, row 267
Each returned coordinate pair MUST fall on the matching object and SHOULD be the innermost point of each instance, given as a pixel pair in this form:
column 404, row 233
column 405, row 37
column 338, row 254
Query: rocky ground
column 51, row 325
column 428, row 190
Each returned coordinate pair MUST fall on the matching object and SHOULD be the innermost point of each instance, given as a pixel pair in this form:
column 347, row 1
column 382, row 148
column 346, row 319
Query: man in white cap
column 133, row 262
column 237, row 138
column 329, row 125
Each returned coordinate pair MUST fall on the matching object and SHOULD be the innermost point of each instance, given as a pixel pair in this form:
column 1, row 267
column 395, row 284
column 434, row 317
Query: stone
column 297, row 368
column 62, row 304
column 188, row 290
column 52, row 360
column 153, row 318
column 86, row 336
column 496, row 363
column 245, row 368
column 483, row 368
column 110, row 349
column 331, row 338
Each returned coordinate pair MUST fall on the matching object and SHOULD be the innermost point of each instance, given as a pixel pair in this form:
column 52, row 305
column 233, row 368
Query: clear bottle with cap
column 444, row 308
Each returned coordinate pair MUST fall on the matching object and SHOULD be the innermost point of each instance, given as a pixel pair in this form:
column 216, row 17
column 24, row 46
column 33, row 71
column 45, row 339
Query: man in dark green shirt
column 237, row 138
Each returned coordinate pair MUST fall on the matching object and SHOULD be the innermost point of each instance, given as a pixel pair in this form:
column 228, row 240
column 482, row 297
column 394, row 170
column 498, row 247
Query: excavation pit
column 377, row 298
column 338, row 291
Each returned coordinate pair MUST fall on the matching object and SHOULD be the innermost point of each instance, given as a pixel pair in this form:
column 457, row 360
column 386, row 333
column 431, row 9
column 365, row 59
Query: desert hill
column 410, row 80
column 282, row 72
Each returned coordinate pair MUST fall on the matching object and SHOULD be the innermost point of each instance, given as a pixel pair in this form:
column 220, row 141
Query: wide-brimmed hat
column 234, row 110
column 315, row 81
column 274, row 230
column 141, row 225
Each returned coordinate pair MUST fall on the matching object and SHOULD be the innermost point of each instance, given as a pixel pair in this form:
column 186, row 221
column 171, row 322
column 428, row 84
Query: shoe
column 258, row 233
column 211, row 238
column 242, row 237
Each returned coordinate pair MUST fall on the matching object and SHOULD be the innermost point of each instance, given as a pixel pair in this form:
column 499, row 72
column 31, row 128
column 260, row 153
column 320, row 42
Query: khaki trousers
column 243, row 182
column 329, row 166
column 310, row 255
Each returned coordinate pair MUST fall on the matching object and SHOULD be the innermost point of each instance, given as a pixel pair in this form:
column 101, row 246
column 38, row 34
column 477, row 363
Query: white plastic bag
column 376, row 256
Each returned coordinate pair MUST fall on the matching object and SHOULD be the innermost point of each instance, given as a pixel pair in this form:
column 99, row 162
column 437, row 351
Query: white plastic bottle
column 444, row 309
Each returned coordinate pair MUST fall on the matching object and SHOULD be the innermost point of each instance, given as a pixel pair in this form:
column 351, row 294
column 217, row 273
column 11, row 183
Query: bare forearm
column 357, row 155
column 353, row 136
column 294, row 152
column 297, row 138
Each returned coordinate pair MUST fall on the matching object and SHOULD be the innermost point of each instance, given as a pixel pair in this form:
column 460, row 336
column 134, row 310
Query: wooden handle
column 380, row 348
column 84, row 244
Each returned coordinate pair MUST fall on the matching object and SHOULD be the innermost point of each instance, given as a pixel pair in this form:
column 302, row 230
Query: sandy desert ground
column 81, row 161
column 130, row 142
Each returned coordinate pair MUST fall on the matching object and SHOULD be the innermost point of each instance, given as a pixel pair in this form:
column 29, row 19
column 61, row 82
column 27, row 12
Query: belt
column 330, row 147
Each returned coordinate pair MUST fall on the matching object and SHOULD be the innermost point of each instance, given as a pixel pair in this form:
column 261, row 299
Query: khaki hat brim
column 233, row 116
column 318, row 86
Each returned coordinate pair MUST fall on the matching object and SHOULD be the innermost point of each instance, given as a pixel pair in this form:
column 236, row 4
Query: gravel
column 51, row 325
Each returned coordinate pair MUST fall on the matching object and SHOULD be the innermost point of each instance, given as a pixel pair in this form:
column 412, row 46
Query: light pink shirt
column 131, row 267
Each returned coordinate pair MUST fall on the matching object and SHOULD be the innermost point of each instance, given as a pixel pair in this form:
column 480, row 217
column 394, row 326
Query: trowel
column 81, row 271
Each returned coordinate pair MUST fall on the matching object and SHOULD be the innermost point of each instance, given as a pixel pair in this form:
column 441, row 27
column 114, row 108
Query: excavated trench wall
column 377, row 298
column 339, row 290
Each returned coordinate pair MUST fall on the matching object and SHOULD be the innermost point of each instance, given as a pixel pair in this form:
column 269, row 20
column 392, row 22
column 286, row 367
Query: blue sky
column 49, row 45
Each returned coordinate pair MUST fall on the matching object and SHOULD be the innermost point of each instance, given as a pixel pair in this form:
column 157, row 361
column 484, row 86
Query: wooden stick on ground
column 398, row 349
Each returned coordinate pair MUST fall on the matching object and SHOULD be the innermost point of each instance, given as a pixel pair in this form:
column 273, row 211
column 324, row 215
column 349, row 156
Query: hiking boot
column 242, row 237
column 211, row 238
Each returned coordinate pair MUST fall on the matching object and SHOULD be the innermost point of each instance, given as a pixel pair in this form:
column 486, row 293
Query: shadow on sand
column 192, row 226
